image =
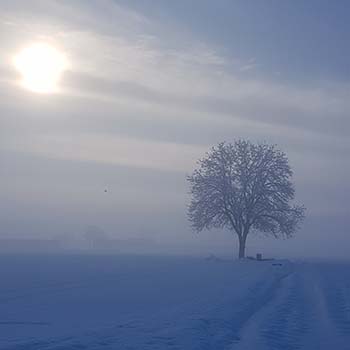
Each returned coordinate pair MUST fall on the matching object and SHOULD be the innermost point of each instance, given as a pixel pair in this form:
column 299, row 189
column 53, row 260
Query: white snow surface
column 139, row 302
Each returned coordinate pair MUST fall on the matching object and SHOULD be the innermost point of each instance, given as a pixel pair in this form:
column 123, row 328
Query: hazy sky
column 151, row 85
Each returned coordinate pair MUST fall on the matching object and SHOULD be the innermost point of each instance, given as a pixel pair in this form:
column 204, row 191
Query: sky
column 150, row 86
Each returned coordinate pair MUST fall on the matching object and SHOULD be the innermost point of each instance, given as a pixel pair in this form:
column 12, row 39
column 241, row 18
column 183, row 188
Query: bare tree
column 243, row 187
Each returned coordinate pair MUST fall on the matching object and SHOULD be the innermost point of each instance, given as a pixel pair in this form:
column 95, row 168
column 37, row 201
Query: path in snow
column 310, row 311
column 172, row 303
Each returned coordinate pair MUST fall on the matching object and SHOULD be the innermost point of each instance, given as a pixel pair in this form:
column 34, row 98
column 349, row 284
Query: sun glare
column 41, row 67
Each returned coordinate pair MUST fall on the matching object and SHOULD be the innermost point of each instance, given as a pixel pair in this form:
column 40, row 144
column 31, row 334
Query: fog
column 145, row 96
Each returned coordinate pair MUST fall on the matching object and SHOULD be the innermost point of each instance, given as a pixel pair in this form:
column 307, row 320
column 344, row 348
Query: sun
column 41, row 66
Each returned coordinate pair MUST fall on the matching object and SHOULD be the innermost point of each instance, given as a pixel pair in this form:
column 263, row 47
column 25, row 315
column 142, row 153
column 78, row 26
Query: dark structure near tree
column 243, row 187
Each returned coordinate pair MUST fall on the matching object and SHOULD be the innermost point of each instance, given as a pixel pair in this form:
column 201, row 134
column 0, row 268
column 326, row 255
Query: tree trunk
column 241, row 253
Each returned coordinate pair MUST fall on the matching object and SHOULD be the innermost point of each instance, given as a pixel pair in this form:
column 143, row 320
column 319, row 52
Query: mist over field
column 174, row 174
column 148, row 89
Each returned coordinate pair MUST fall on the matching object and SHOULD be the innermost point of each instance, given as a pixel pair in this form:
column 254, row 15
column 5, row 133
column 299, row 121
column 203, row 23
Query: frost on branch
column 244, row 186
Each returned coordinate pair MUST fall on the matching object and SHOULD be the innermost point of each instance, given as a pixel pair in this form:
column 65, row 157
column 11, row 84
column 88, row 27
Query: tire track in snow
column 336, row 286
column 223, row 333
column 290, row 320
column 310, row 312
column 285, row 321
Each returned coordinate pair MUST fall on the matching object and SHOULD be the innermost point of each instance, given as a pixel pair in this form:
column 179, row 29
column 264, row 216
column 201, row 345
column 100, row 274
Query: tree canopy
column 244, row 186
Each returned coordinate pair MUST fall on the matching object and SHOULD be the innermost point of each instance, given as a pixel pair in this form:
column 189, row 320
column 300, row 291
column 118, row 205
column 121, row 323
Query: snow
column 139, row 302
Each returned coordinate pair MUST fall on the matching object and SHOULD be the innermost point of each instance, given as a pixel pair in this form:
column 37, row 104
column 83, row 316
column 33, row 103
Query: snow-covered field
column 105, row 302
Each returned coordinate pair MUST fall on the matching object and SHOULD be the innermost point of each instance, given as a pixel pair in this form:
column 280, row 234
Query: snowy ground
column 101, row 302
